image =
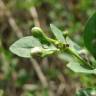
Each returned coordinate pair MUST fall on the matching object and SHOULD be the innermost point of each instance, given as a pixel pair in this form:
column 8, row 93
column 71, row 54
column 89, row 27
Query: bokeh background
column 18, row 77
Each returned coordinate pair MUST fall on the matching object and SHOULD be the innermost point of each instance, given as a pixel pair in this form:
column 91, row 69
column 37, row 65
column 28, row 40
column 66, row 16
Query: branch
column 39, row 73
column 34, row 15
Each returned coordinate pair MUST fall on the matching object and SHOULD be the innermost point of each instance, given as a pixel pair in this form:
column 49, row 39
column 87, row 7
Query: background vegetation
column 17, row 75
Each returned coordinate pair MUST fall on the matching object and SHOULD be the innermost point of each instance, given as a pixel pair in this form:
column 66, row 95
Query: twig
column 60, row 89
column 39, row 73
column 34, row 15
column 41, row 76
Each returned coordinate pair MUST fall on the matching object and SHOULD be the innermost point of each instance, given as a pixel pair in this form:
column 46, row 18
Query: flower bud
column 36, row 31
column 39, row 34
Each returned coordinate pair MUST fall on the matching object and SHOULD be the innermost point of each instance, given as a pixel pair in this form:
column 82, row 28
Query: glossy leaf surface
column 90, row 35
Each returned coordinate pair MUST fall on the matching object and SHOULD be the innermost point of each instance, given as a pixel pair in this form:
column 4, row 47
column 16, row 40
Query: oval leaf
column 23, row 46
column 76, row 67
column 90, row 35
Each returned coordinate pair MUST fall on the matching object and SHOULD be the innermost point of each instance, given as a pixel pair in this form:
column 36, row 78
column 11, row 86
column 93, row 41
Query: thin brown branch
column 39, row 73
column 34, row 15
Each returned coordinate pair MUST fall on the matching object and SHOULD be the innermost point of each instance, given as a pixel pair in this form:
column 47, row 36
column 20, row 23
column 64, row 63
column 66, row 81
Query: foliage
column 86, row 92
column 55, row 54
column 40, row 44
column 90, row 35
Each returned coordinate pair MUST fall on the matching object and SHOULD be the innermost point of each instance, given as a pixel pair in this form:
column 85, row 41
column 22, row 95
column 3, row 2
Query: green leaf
column 27, row 46
column 23, row 46
column 90, row 35
column 76, row 67
column 65, row 56
column 57, row 33
column 86, row 92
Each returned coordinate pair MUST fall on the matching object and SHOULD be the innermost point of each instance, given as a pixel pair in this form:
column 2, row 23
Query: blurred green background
column 17, row 75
